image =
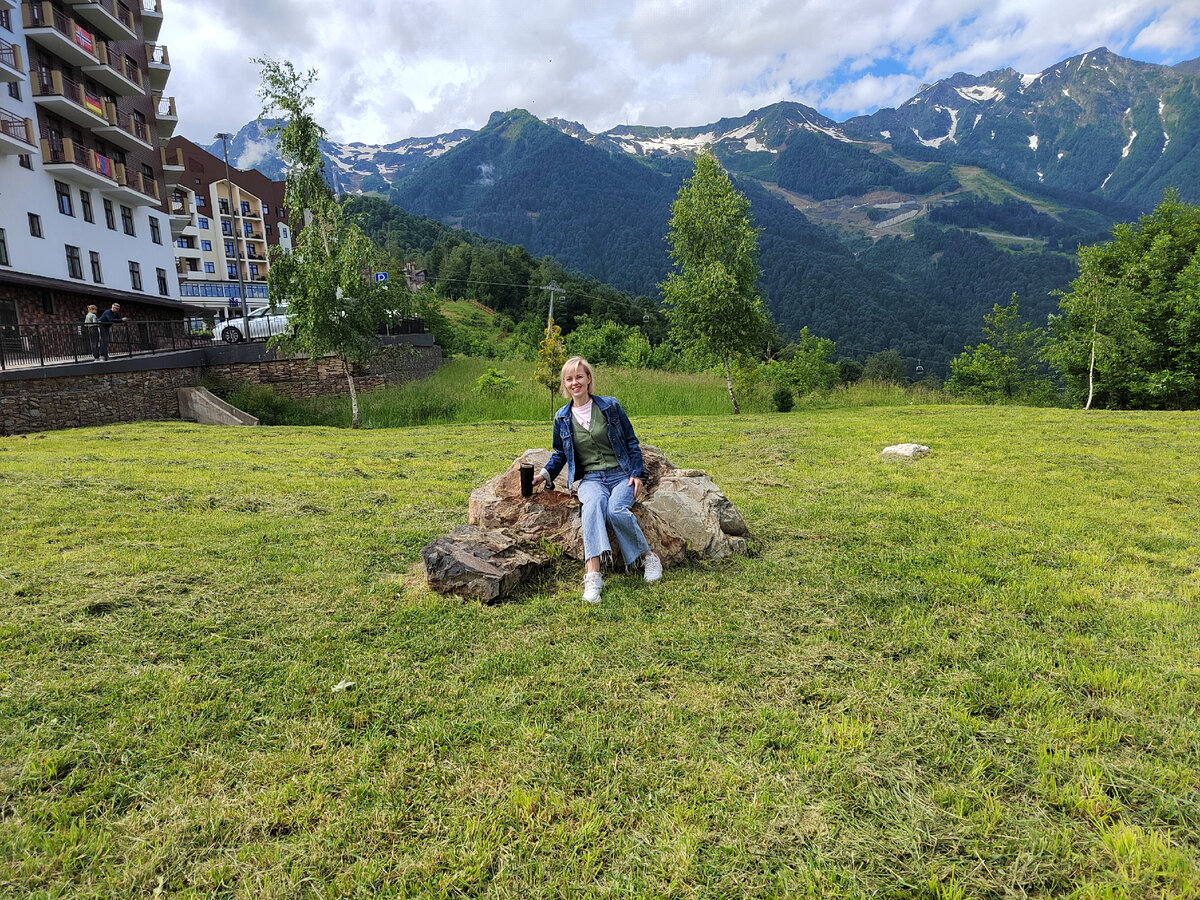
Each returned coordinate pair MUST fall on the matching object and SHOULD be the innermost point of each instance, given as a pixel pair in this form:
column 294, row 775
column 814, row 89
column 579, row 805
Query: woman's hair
column 92, row 307
column 575, row 362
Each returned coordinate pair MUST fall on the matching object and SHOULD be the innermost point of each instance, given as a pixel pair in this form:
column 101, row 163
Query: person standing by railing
column 93, row 330
column 107, row 318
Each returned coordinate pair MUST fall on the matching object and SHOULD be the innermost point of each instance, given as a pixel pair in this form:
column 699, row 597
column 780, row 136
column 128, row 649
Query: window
column 231, row 270
column 5, row 20
column 224, row 206
column 206, row 245
column 25, row 160
column 201, row 222
column 267, row 228
column 109, row 219
column 253, row 270
column 14, row 90
column 3, row 250
column 74, row 262
column 162, row 282
column 279, row 209
column 226, row 227
column 35, row 225
column 97, row 275
column 64, row 198
column 245, row 208
column 127, row 220
column 249, row 228
column 135, row 276
column 200, row 201
column 229, row 248
column 85, row 203
column 48, row 303
column 155, row 233
column 210, row 268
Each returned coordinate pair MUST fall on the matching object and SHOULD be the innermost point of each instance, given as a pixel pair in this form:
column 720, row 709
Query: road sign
column 380, row 277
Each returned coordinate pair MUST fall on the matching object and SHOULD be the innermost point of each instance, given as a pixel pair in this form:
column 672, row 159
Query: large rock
column 680, row 510
column 472, row 562
column 905, row 451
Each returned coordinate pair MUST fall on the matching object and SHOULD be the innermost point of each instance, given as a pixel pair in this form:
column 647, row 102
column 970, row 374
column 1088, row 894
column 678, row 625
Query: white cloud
column 393, row 70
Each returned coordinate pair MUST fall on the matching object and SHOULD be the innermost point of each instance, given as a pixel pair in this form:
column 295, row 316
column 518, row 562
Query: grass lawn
column 973, row 675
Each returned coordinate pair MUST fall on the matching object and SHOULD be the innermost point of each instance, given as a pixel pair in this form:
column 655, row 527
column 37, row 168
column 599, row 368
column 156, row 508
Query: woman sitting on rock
column 593, row 438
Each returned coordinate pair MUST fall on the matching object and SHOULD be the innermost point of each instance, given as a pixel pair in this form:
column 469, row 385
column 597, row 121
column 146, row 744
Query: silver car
column 263, row 323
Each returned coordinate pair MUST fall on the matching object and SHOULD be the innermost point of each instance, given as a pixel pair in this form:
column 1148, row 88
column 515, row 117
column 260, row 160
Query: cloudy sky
column 392, row 69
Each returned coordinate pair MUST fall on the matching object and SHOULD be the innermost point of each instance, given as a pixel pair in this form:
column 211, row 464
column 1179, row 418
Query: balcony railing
column 166, row 108
column 67, row 151
column 10, row 55
column 17, row 128
column 54, row 83
column 44, row 345
column 113, row 59
column 137, row 181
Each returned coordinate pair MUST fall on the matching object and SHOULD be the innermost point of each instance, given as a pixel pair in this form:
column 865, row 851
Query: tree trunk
column 729, row 384
column 353, row 394
column 1091, row 371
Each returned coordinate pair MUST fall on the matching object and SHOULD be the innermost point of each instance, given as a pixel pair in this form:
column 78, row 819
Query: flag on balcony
column 84, row 39
column 93, row 103
column 102, row 164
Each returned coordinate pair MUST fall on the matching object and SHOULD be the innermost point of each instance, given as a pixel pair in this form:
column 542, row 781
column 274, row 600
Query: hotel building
column 83, row 171
column 222, row 229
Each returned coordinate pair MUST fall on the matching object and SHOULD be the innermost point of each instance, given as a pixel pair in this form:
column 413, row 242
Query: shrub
column 783, row 399
column 494, row 382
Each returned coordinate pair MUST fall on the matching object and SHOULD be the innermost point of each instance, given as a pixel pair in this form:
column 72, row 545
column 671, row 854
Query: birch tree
column 712, row 299
column 334, row 306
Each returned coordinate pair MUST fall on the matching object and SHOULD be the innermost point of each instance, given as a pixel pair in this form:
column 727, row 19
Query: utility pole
column 553, row 288
column 237, row 236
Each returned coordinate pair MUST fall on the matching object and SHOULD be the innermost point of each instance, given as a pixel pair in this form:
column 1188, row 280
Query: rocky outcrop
column 905, row 451
column 680, row 511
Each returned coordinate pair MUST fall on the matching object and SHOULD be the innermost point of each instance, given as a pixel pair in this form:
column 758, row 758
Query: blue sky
column 390, row 70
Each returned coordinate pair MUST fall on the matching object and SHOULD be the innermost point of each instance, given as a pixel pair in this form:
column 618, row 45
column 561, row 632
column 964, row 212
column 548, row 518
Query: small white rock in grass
column 342, row 685
column 905, row 451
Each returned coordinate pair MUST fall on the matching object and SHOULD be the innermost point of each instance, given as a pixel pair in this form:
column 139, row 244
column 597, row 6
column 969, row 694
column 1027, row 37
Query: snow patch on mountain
column 1132, row 138
column 1029, row 80
column 980, row 93
column 1033, row 144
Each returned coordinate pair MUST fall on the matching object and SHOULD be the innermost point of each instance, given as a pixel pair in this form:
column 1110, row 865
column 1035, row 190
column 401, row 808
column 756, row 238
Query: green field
column 973, row 675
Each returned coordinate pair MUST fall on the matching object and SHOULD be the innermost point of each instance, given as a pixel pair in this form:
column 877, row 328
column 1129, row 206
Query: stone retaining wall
column 44, row 400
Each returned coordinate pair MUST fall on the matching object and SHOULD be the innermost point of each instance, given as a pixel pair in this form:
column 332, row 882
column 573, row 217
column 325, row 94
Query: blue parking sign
column 380, row 277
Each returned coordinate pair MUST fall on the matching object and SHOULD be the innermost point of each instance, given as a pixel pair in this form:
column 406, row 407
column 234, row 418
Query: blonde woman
column 594, row 440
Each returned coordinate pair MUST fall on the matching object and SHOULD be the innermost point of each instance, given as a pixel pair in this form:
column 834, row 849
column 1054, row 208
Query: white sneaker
column 593, row 584
column 651, row 567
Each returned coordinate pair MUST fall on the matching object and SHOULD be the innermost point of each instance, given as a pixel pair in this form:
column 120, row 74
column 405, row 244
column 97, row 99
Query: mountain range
column 898, row 229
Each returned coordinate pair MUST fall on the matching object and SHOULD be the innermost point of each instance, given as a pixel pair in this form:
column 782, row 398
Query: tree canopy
column 712, row 300
column 1127, row 334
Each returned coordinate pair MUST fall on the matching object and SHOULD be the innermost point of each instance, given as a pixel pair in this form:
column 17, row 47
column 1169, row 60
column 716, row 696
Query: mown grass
column 975, row 675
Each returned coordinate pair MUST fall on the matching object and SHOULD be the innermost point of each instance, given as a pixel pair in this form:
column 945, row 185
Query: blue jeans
column 607, row 496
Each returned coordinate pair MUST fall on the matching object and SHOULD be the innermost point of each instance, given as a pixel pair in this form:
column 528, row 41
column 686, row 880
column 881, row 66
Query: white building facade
column 83, row 181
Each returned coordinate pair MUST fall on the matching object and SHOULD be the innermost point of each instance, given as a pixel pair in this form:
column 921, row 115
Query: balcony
column 152, row 18
column 111, row 17
column 116, row 73
column 172, row 163
column 125, row 131
column 179, row 209
column 59, row 94
column 59, row 34
column 77, row 164
column 16, row 134
column 158, row 65
column 12, row 66
column 168, row 118
column 134, row 188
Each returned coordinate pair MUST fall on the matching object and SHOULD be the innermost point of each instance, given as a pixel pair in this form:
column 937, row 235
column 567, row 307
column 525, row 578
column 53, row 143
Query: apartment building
column 223, row 228
column 83, row 126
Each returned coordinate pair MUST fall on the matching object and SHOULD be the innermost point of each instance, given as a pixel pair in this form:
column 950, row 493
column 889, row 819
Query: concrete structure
column 83, row 120
column 211, row 236
column 199, row 404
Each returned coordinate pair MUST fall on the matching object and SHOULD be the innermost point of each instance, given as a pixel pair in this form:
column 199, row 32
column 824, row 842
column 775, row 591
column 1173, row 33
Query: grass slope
column 975, row 675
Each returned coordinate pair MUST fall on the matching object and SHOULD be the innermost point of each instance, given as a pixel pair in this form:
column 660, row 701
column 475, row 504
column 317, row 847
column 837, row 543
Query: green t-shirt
column 593, row 449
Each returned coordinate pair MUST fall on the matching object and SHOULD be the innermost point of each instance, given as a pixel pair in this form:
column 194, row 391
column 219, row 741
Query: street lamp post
column 237, row 236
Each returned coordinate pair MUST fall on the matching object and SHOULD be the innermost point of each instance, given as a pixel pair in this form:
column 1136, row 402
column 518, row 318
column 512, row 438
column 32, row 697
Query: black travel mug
column 526, row 479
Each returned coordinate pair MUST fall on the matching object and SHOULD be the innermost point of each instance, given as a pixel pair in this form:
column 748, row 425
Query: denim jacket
column 620, row 434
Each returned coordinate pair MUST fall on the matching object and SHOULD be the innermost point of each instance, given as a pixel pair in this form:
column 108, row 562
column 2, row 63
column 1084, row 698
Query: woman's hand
column 538, row 479
column 637, row 486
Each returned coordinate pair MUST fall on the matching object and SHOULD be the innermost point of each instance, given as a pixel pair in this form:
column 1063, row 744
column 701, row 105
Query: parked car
column 263, row 323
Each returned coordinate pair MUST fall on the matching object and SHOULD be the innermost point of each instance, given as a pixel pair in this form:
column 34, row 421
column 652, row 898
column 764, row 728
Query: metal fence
column 22, row 346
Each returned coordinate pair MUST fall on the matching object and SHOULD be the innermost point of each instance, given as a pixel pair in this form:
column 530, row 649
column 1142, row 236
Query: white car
column 263, row 323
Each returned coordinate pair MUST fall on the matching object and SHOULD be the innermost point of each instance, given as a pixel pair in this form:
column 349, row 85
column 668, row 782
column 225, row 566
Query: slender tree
column 1007, row 365
column 551, row 356
column 712, row 300
column 334, row 306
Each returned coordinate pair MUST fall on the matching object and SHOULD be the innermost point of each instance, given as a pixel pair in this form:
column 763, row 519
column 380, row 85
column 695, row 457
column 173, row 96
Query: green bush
column 783, row 399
